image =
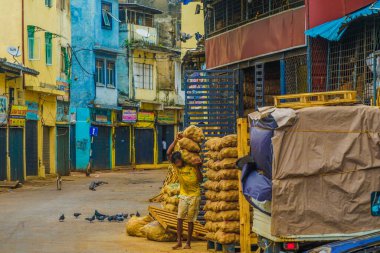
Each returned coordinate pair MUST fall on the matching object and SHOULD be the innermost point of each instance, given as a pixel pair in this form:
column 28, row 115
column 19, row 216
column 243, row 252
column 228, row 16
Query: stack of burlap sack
column 222, row 190
column 190, row 144
column 171, row 197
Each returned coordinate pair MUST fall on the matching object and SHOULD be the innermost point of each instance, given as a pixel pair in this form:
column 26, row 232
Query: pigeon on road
column 138, row 214
column 101, row 218
column 62, row 218
column 98, row 214
column 76, row 215
column 91, row 219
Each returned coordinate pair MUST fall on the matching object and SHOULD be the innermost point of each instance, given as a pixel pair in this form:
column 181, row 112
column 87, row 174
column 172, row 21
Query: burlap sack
column 211, row 185
column 223, row 185
column 212, row 175
column 232, row 215
column 171, row 189
column 170, row 207
column 190, row 157
column 214, row 144
column 195, row 133
column 189, row 145
column 214, row 155
column 228, row 185
column 226, row 238
column 229, row 226
column 229, row 141
column 135, row 224
column 224, row 226
column 218, row 206
column 209, row 163
column 155, row 232
column 228, row 153
column 174, row 200
column 210, row 236
column 228, row 163
column 231, row 174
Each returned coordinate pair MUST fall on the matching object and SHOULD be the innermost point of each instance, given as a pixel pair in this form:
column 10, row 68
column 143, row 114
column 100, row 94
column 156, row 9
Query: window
column 48, row 48
column 64, row 61
column 143, row 76
column 63, row 4
column 31, row 42
column 99, row 72
column 48, row 3
column 111, row 74
column 106, row 15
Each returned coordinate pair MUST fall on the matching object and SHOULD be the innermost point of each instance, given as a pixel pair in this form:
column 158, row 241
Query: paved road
column 29, row 215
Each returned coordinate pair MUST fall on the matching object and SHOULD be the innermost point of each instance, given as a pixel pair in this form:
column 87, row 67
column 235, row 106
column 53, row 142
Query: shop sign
column 166, row 117
column 17, row 116
column 101, row 118
column 129, row 116
column 3, row 110
column 145, row 116
column 32, row 113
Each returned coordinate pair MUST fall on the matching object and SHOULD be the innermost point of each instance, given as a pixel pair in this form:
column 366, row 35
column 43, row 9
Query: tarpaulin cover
column 256, row 186
column 325, row 167
column 261, row 134
column 334, row 30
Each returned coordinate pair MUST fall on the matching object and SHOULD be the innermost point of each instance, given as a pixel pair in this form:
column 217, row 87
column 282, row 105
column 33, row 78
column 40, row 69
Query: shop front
column 101, row 141
column 166, row 130
column 123, row 136
column 145, row 139
column 31, row 138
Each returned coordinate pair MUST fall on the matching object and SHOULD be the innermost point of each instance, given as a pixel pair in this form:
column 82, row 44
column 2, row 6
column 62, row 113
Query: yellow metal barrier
column 247, row 238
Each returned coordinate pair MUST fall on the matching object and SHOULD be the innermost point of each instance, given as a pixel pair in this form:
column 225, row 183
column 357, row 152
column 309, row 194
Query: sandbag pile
column 190, row 144
column 222, row 190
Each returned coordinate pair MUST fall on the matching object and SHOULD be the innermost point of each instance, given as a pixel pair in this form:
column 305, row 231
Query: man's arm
column 172, row 146
column 198, row 170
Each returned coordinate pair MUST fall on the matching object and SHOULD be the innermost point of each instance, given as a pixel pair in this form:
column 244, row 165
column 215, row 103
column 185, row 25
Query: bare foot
column 187, row 246
column 177, row 246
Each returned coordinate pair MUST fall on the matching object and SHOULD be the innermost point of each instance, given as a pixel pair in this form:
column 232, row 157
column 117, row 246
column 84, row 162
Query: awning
column 6, row 66
column 334, row 30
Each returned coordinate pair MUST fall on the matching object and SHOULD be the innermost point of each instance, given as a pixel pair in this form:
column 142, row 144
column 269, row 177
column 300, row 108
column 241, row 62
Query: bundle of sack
column 149, row 228
column 170, row 197
column 222, row 190
column 190, row 144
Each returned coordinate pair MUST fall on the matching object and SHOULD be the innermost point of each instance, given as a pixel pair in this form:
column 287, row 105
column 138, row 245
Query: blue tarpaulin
column 335, row 29
column 187, row 1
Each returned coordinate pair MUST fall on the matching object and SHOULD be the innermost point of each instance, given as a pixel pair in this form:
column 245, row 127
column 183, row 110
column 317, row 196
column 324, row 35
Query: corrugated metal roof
column 334, row 30
column 13, row 67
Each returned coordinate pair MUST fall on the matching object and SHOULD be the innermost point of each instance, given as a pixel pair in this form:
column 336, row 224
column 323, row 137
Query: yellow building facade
column 40, row 31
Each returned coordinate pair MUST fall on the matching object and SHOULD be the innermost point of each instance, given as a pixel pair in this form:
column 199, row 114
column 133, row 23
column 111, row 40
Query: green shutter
column 48, row 48
column 30, row 29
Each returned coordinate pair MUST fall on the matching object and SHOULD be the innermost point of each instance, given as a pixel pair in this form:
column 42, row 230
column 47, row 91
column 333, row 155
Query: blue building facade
column 94, row 94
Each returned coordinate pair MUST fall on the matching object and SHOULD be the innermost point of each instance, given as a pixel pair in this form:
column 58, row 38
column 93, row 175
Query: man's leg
column 189, row 235
column 179, row 234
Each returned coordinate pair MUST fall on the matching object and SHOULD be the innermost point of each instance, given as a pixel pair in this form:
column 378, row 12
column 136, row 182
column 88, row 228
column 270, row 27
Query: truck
column 311, row 175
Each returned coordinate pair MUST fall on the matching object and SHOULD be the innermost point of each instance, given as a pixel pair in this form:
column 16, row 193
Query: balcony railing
column 139, row 33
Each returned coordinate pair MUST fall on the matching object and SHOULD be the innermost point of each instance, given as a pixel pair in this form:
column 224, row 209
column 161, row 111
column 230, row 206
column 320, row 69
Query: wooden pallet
column 169, row 221
column 227, row 248
column 298, row 101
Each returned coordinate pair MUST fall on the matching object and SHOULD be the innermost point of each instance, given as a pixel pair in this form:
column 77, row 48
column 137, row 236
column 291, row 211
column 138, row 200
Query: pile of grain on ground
column 222, row 207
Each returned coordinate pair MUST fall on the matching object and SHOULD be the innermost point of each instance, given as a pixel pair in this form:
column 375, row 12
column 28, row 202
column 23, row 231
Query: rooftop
column 140, row 7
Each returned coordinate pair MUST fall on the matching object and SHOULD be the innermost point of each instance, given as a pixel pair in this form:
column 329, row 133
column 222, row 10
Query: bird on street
column 62, row 218
column 138, row 214
column 99, row 214
column 76, row 215
column 101, row 218
column 111, row 218
column 91, row 219
column 119, row 218
column 125, row 215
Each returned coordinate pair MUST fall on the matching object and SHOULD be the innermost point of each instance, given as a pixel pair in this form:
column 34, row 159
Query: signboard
column 166, row 117
column 32, row 113
column 145, row 116
column 129, row 116
column 94, row 131
column 17, row 116
column 101, row 118
column 63, row 85
column 3, row 110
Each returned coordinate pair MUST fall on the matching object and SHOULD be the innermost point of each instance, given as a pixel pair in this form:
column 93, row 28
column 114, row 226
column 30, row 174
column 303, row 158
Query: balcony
column 139, row 33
